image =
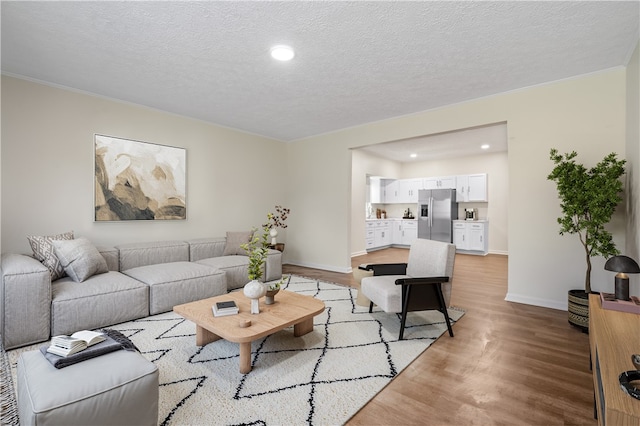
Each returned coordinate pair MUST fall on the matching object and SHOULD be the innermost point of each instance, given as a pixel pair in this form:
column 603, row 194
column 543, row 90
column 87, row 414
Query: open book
column 78, row 341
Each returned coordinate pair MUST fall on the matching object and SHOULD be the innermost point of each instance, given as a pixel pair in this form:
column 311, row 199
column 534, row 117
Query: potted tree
column 588, row 198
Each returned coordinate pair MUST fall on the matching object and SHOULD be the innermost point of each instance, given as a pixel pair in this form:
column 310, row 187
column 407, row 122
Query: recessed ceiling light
column 485, row 146
column 282, row 53
column 413, row 155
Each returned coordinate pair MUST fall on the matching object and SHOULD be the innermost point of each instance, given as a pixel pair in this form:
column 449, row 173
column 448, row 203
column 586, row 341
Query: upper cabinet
column 391, row 191
column 408, row 190
column 376, row 190
column 471, row 188
column 442, row 182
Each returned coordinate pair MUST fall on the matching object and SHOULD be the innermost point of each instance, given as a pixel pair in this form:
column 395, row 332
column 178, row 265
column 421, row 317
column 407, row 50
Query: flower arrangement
column 258, row 247
column 278, row 219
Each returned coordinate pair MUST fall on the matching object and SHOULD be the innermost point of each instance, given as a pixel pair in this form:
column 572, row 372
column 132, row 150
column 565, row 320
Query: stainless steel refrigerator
column 437, row 208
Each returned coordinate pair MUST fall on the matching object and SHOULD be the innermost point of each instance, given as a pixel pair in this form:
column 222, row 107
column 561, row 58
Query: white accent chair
column 424, row 283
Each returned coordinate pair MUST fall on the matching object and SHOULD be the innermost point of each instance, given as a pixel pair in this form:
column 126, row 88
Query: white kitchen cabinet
column 369, row 234
column 396, row 236
column 391, row 191
column 462, row 188
column 471, row 188
column 477, row 187
column 382, row 234
column 376, row 190
column 442, row 182
column 409, row 232
column 408, row 190
column 471, row 236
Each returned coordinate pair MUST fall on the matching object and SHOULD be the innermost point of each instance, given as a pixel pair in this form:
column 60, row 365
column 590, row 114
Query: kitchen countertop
column 393, row 218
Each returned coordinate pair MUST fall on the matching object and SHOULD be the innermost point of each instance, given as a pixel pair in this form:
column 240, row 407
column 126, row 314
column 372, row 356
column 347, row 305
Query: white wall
column 233, row 179
column 364, row 164
column 633, row 165
column 586, row 114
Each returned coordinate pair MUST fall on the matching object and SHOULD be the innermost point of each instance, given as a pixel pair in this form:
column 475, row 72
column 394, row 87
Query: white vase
column 274, row 234
column 254, row 290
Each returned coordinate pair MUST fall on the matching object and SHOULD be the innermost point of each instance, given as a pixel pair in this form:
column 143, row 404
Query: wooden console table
column 613, row 336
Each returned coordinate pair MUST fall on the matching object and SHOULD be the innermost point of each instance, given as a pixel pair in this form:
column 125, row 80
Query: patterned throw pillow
column 43, row 251
column 234, row 239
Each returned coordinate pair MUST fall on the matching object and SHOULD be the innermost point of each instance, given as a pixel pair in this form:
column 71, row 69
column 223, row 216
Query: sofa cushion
column 44, row 252
column 79, row 258
column 236, row 269
column 102, row 300
column 142, row 254
column 204, row 248
column 175, row 283
column 234, row 240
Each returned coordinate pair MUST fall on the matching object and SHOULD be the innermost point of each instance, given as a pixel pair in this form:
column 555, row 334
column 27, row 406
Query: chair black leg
column 405, row 305
column 443, row 309
column 370, row 307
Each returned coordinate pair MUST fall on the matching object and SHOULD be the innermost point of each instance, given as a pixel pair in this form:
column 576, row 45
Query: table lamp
column 623, row 265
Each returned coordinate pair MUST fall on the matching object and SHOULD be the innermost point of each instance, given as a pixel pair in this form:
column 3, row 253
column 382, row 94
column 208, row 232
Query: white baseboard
column 500, row 252
column 545, row 303
column 359, row 253
column 323, row 267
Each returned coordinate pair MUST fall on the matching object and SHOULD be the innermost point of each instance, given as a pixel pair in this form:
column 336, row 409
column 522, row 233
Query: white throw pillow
column 80, row 258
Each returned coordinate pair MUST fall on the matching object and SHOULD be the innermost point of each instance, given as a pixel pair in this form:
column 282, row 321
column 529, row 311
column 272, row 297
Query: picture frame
column 137, row 180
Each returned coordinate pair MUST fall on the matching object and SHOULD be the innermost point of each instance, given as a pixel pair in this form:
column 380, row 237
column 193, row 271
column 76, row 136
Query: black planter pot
column 579, row 309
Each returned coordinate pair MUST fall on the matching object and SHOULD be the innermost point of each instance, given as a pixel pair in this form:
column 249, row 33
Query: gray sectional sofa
column 142, row 279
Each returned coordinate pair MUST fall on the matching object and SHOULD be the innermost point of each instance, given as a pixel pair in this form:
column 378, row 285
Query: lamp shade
column 622, row 264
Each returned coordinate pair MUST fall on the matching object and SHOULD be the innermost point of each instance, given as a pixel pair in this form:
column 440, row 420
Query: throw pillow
column 43, row 251
column 79, row 258
column 234, row 239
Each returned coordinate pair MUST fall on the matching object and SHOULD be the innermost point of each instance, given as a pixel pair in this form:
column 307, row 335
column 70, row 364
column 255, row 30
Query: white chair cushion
column 383, row 291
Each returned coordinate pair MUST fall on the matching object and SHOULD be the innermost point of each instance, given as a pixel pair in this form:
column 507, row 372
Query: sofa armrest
column 25, row 301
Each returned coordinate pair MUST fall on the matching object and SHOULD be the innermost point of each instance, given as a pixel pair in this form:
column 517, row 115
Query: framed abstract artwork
column 138, row 180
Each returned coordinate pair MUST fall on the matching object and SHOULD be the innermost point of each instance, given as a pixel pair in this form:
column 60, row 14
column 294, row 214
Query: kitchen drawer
column 380, row 223
column 459, row 225
column 371, row 224
column 476, row 226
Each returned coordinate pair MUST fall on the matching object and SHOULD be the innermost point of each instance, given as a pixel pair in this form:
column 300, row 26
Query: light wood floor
column 508, row 364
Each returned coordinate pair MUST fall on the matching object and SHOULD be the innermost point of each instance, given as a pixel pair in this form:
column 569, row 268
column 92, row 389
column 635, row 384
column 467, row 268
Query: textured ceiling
column 356, row 62
column 460, row 143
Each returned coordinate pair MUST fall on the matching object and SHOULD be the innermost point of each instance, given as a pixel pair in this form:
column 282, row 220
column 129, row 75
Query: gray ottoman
column 119, row 388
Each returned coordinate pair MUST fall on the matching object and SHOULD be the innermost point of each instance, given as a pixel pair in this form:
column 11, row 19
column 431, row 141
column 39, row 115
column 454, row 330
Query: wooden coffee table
column 289, row 309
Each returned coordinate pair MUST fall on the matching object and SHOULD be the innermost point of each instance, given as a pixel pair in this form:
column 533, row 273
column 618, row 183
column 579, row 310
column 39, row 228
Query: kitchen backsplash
column 397, row 210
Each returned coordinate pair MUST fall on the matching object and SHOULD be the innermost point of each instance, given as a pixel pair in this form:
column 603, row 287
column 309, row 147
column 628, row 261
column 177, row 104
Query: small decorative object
column 254, row 290
column 270, row 297
column 623, row 265
column 244, row 323
column 272, row 290
column 276, row 220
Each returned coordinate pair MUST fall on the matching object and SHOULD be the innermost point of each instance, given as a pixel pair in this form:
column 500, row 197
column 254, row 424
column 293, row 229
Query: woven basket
column 579, row 309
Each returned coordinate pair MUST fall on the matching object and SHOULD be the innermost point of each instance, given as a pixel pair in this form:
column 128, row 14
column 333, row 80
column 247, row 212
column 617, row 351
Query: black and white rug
column 321, row 378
